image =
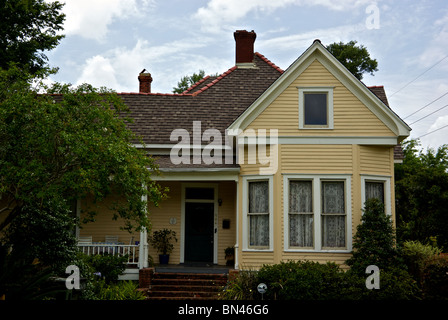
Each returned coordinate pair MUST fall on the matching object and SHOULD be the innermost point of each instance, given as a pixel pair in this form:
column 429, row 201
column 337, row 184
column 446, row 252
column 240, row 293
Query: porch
column 203, row 215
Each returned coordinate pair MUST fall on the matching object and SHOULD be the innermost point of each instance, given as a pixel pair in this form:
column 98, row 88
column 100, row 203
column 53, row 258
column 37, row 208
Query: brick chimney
column 244, row 48
column 145, row 80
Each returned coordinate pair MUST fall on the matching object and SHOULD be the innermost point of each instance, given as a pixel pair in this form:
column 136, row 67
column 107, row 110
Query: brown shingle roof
column 215, row 103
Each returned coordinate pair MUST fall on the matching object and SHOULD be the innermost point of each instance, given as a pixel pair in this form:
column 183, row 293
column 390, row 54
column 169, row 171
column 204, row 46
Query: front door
column 199, row 232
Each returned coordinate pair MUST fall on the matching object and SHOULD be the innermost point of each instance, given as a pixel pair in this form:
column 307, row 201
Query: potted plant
column 161, row 241
column 230, row 256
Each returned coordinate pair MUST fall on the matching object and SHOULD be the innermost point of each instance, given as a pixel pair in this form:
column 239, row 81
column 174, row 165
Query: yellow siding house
column 276, row 163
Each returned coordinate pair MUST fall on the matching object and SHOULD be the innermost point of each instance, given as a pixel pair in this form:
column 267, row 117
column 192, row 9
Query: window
column 333, row 214
column 301, row 217
column 375, row 190
column 373, row 186
column 317, row 212
column 316, row 108
column 257, row 206
column 259, row 214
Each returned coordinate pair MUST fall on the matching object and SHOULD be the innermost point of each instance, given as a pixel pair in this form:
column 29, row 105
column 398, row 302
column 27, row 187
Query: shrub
column 417, row 256
column 108, row 266
column 242, row 287
column 302, row 280
column 374, row 242
column 122, row 290
column 435, row 279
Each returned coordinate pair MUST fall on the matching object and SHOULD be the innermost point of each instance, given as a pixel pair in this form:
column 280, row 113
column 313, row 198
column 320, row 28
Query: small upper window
column 316, row 108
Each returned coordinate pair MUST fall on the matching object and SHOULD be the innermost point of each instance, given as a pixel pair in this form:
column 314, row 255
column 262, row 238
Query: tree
column 27, row 29
column 374, row 241
column 69, row 144
column 421, row 191
column 355, row 58
column 187, row 81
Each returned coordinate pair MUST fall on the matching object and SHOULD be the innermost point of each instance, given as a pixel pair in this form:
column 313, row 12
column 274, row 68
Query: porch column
column 143, row 246
column 237, row 223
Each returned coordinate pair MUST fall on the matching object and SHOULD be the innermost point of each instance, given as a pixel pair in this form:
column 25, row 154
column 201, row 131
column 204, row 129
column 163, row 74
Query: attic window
column 316, row 108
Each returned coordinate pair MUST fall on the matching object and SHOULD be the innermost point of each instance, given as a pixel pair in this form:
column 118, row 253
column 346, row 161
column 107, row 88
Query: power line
column 419, row 75
column 433, row 131
column 426, row 105
column 429, row 114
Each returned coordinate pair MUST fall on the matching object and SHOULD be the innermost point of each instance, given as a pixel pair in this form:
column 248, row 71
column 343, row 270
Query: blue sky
column 108, row 42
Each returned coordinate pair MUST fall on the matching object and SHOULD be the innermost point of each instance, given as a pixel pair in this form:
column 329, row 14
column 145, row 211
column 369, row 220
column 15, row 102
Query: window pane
column 259, row 230
column 301, row 230
column 333, row 231
column 259, row 197
column 333, row 199
column 200, row 193
column 375, row 190
column 315, row 108
column 300, row 196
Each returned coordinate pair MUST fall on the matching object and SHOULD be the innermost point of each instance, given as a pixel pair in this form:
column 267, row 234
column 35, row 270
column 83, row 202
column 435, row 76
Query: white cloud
column 91, row 18
column 219, row 13
column 118, row 68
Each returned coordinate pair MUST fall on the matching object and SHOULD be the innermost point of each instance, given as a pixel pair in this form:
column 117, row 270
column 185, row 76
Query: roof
column 216, row 102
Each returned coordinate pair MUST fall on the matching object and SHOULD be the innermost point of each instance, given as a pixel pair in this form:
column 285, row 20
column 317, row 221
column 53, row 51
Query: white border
column 245, row 203
column 215, row 223
column 317, row 179
column 330, row 122
column 387, row 190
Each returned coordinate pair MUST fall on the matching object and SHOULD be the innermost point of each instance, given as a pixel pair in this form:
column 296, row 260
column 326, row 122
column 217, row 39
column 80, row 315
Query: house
column 276, row 163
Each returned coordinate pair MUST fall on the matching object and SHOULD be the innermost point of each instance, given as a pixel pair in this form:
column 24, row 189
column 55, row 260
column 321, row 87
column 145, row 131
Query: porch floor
column 193, row 268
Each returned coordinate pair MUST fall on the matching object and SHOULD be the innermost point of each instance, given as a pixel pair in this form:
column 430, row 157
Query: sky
column 109, row 42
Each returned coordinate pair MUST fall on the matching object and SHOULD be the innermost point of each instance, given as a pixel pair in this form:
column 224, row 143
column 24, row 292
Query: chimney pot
column 244, row 47
column 145, row 80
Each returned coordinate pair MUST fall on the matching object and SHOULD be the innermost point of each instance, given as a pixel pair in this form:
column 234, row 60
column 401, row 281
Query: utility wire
column 419, row 75
column 426, row 105
column 433, row 131
column 429, row 114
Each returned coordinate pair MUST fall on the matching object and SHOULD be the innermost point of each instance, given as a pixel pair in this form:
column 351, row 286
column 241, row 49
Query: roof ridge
column 197, row 83
column 154, row 94
column 214, row 81
column 269, row 62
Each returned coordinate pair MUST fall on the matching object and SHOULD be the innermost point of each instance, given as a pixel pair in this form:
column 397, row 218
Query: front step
column 185, row 286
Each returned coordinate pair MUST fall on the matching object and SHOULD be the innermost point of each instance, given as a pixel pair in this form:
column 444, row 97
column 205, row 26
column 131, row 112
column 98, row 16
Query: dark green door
column 199, row 232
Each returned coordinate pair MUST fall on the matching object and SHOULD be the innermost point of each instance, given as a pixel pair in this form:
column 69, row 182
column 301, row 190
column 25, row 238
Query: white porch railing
column 113, row 249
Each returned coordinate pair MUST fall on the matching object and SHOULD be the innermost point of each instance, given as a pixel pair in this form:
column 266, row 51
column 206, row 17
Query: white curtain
column 333, row 214
column 375, row 190
column 259, row 213
column 300, row 214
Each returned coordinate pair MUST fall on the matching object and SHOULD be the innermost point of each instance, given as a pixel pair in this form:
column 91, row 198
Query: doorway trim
column 213, row 186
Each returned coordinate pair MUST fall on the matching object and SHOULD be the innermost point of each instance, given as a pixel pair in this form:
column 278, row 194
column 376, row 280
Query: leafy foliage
column 301, row 280
column 187, row 81
column 67, row 145
column 161, row 240
column 422, row 194
column 27, row 29
column 355, row 58
column 374, row 241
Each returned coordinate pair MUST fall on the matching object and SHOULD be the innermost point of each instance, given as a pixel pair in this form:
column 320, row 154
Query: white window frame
column 246, row 216
column 317, row 180
column 387, row 190
column 329, row 92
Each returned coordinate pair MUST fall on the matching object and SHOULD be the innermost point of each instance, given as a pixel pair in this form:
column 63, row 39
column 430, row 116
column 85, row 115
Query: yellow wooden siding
column 160, row 219
column 226, row 237
column 104, row 225
column 316, row 158
column 376, row 160
column 351, row 116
